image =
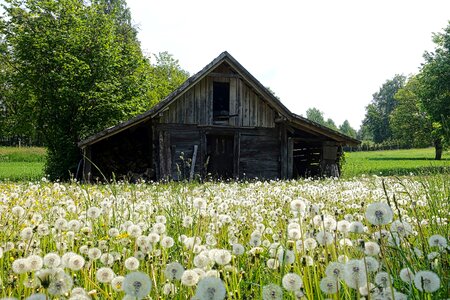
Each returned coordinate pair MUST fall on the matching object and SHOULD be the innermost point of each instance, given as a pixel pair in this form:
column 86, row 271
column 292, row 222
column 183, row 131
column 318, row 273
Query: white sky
column 328, row 54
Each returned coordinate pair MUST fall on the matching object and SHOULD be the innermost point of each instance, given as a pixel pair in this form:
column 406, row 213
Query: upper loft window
column 221, row 99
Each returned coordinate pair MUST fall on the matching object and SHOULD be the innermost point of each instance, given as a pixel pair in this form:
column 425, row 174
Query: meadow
column 24, row 163
column 365, row 237
column 395, row 162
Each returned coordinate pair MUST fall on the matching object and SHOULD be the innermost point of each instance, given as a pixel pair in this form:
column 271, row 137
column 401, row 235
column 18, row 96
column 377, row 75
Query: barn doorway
column 220, row 156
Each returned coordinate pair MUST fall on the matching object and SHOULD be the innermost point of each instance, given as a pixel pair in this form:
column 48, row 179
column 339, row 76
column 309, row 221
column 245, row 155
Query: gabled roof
column 290, row 117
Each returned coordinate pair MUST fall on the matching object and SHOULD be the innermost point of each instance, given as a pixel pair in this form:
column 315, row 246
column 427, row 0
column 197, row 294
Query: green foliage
column 434, row 88
column 74, row 68
column 165, row 76
column 347, row 129
column 411, row 125
column 379, row 110
column 315, row 115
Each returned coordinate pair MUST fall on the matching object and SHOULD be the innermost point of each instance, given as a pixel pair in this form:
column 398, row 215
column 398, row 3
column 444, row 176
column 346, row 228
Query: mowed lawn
column 395, row 162
column 27, row 163
column 24, row 163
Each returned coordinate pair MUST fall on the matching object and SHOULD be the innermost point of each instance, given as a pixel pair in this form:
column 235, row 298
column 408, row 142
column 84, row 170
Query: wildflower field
column 364, row 238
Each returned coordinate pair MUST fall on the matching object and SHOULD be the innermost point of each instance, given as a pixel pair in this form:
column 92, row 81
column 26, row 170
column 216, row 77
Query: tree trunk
column 438, row 147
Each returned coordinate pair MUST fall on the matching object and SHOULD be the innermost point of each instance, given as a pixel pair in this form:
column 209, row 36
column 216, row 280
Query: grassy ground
column 395, row 162
column 25, row 163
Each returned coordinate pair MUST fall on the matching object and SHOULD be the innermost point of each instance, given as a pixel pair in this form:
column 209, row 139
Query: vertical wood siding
column 247, row 108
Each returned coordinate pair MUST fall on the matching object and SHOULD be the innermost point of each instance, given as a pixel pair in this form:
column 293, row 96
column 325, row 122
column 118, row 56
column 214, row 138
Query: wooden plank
column 236, row 154
column 194, row 160
column 283, row 152
column 197, row 103
column 162, row 161
column 233, row 111
column 209, row 102
column 239, row 102
column 290, row 158
column 189, row 111
column 246, row 106
column 260, row 112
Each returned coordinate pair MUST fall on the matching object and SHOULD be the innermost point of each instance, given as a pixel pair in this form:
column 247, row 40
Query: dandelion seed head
column 379, row 213
column 174, row 271
column 189, row 278
column 329, row 285
column 427, row 281
column 137, row 284
column 210, row 288
column 292, row 282
column 272, row 292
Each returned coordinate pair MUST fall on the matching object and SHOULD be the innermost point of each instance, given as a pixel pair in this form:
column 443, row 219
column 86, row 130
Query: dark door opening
column 220, row 155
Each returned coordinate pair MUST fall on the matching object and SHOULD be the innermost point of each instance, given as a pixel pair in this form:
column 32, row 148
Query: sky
column 329, row 54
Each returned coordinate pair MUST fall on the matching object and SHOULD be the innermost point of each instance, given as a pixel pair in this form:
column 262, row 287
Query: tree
column 410, row 124
column 315, row 115
column 330, row 124
column 165, row 76
column 434, row 89
column 379, row 110
column 83, row 71
column 347, row 129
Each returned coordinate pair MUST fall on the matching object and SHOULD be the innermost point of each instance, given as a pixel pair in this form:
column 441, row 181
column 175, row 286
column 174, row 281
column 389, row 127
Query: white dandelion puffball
column 189, row 278
column 132, row 263
column 174, row 271
column 272, row 292
column 292, row 282
column 406, row 275
column 329, row 285
column 335, row 270
column 167, row 242
column 76, row 262
column 60, row 284
column 105, row 274
column 355, row 274
column 324, row 238
column 137, row 284
column 222, row 257
column 371, row 248
column 210, row 288
column 298, row 206
column 238, row 249
column 116, row 283
column 427, row 281
column 20, row 266
column 437, row 240
column 379, row 213
column 383, row 279
column 35, row 262
column 52, row 260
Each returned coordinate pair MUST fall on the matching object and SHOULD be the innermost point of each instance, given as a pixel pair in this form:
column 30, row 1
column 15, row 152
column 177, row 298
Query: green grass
column 25, row 163
column 395, row 162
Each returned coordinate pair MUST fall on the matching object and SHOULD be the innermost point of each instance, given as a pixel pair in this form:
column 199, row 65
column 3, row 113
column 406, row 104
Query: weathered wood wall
column 259, row 154
column 195, row 106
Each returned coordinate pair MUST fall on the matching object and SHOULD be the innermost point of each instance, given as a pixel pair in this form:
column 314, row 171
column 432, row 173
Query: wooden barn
column 221, row 123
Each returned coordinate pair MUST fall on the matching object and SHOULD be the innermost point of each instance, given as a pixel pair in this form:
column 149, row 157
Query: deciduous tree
column 434, row 88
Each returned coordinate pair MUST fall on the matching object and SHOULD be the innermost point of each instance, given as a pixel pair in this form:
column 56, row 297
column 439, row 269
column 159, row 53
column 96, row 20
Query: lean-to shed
column 222, row 122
